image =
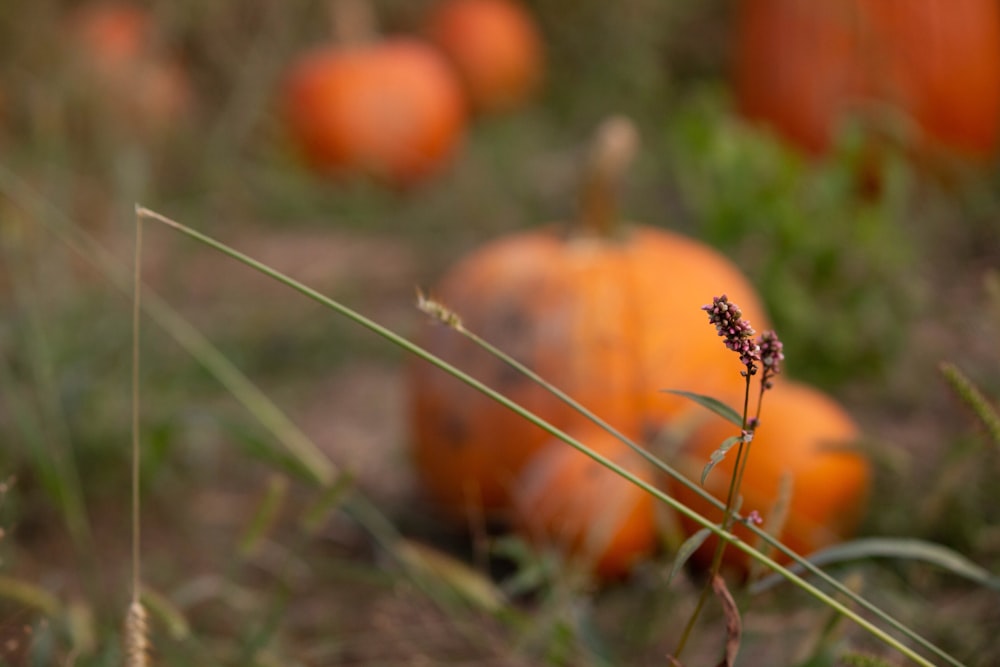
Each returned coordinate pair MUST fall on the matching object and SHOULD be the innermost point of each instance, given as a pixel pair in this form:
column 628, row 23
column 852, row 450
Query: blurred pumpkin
column 607, row 311
column 803, row 67
column 804, row 435
column 594, row 517
column 391, row 108
column 117, row 50
column 495, row 46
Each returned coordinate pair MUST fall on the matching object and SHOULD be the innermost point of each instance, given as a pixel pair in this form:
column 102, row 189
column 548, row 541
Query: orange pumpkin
column 495, row 46
column 391, row 108
column 115, row 47
column 803, row 66
column 607, row 311
column 804, row 435
column 594, row 517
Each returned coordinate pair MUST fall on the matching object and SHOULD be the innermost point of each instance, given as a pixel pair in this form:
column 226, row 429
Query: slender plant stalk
column 727, row 521
column 136, row 317
column 454, row 321
column 136, row 624
column 411, row 347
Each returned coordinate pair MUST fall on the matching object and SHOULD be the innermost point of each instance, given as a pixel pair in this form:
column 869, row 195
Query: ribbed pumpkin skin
column 595, row 518
column 610, row 322
column 801, row 66
column 392, row 109
column 804, row 432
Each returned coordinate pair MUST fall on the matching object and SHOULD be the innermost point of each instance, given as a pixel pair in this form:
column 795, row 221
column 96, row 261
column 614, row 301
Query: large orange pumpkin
column 495, row 46
column 391, row 108
column 803, row 66
column 804, row 435
column 607, row 311
column 594, row 517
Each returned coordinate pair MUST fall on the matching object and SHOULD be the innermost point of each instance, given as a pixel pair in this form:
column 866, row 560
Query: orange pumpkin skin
column 803, row 66
column 112, row 44
column 588, row 513
column 391, row 109
column 495, row 47
column 609, row 321
column 803, row 432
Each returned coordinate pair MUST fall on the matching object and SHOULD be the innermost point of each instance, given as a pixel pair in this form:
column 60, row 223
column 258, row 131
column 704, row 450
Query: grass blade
column 972, row 397
column 893, row 547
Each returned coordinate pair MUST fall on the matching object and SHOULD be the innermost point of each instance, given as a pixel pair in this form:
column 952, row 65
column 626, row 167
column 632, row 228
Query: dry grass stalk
column 136, row 636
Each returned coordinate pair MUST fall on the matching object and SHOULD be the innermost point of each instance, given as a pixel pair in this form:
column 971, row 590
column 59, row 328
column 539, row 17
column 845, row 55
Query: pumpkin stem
column 612, row 151
column 352, row 22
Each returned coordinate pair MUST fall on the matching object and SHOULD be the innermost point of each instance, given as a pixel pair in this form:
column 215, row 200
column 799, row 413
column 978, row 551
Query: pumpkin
column 607, row 311
column 495, row 46
column 802, row 67
column 592, row 516
column 114, row 47
column 391, row 108
column 805, row 437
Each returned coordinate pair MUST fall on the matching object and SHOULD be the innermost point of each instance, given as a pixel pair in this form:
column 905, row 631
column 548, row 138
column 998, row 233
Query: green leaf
column 686, row 550
column 890, row 547
column 719, row 454
column 709, row 403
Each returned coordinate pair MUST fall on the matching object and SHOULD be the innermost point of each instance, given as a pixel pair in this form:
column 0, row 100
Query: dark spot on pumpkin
column 455, row 431
column 509, row 324
column 509, row 378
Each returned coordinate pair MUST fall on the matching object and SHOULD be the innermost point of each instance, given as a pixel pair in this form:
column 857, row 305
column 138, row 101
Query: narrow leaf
column 709, row 403
column 718, row 455
column 686, row 550
column 275, row 494
column 734, row 625
column 168, row 613
column 331, row 499
column 30, row 595
column 438, row 566
column 972, row 397
column 889, row 547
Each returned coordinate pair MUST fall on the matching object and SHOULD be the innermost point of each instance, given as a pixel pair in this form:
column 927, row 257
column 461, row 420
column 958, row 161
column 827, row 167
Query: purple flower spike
column 729, row 323
column 771, row 355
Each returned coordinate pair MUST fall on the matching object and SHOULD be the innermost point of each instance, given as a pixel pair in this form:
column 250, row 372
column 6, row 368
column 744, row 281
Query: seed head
column 771, row 356
column 737, row 332
column 438, row 311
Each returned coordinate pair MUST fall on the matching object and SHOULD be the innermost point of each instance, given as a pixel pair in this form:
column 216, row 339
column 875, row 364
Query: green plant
column 811, row 240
